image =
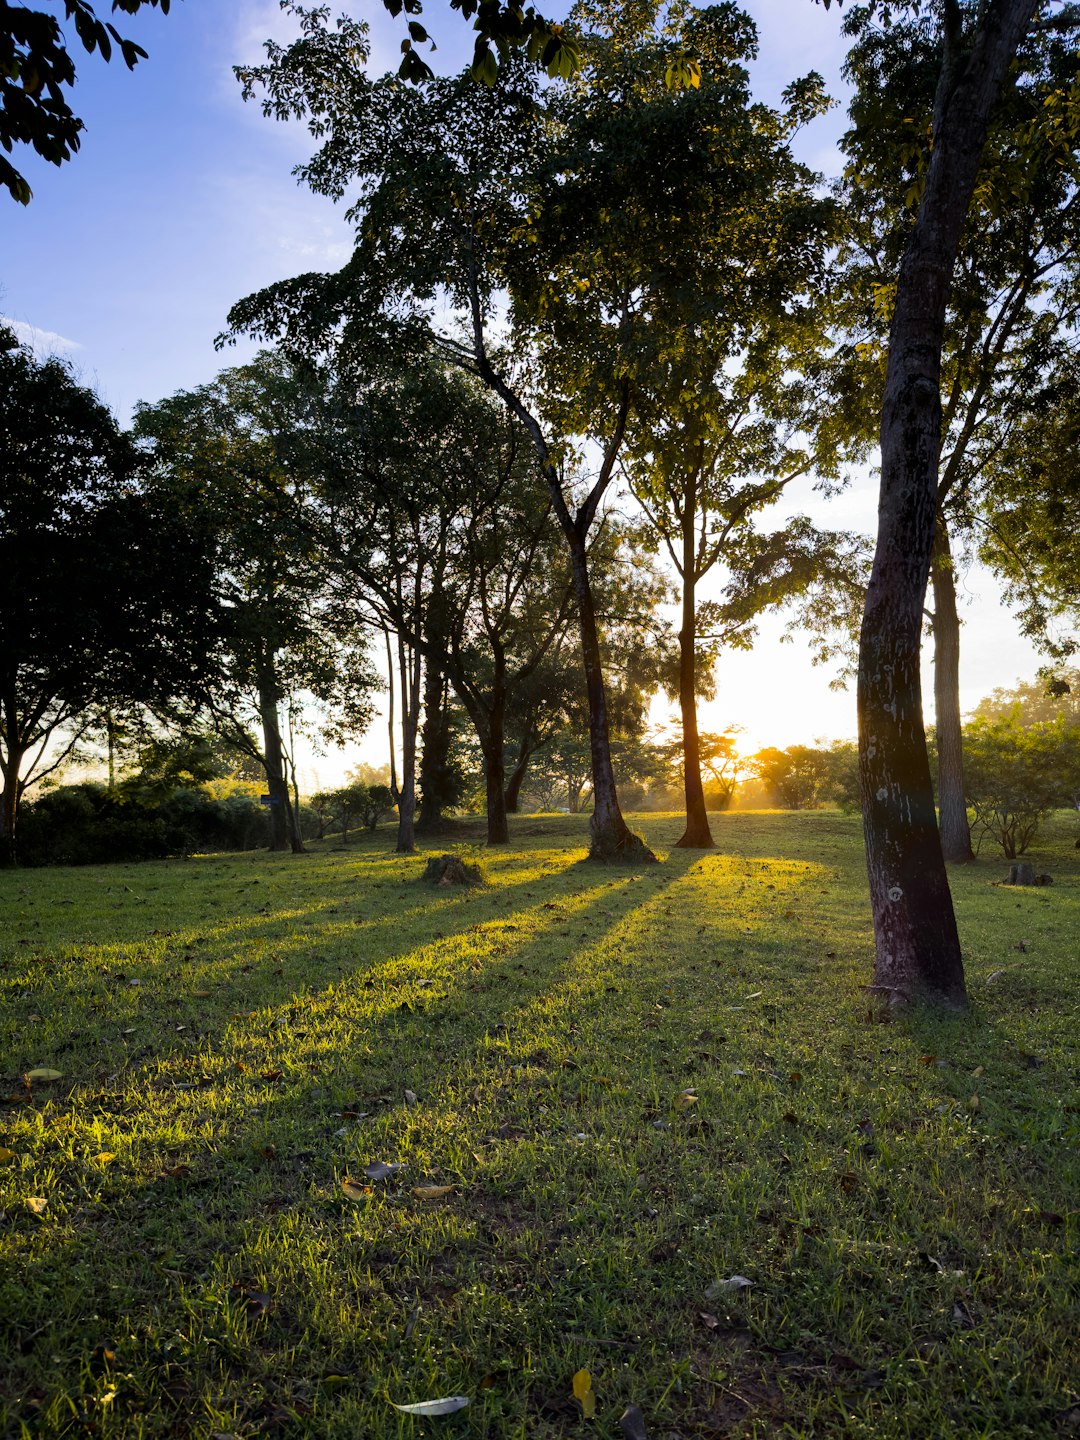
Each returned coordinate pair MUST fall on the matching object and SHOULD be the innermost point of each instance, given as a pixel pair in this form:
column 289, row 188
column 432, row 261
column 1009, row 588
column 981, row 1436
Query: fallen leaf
column 432, row 1192
column 583, row 1393
column 685, row 1100
column 1051, row 1217
column 709, row 1321
column 848, row 1181
column 449, row 1405
column 7, row 1157
column 795, row 1078
column 927, row 1059
column 104, row 1157
column 37, row 1204
column 44, row 1075
column 632, row 1423
column 381, row 1169
column 974, row 1103
column 271, row 1075
column 353, row 1190
column 410, row 1097
column 979, row 1070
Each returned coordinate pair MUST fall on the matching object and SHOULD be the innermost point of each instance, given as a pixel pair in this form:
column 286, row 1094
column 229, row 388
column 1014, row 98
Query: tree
column 916, row 940
column 35, row 69
column 1017, row 775
column 237, row 452
column 447, row 180
column 105, row 595
column 1010, row 312
column 795, row 778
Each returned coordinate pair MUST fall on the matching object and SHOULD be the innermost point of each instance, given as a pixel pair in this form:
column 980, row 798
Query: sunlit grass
column 637, row 1082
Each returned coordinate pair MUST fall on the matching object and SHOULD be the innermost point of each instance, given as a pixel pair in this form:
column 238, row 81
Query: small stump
column 449, row 870
column 1024, row 874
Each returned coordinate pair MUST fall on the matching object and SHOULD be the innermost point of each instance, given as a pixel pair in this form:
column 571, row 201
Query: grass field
column 638, row 1084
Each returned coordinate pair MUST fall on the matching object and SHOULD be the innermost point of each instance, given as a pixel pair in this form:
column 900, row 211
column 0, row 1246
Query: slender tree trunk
column 952, row 802
column 394, row 790
column 517, row 775
column 610, row 836
column 696, row 835
column 410, row 675
column 916, row 940
column 274, row 760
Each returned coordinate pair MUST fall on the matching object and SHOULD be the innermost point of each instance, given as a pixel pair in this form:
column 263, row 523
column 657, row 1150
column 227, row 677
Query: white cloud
column 42, row 342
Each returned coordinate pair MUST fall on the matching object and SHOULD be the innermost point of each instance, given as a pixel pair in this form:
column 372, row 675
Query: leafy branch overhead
column 37, row 69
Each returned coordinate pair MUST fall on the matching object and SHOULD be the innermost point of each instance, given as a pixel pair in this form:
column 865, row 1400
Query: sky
column 181, row 202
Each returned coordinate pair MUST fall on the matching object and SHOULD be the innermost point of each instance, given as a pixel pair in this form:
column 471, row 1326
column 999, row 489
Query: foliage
column 105, row 592
column 88, row 824
column 795, row 778
column 1016, row 775
column 1033, row 701
column 360, row 804
column 35, row 69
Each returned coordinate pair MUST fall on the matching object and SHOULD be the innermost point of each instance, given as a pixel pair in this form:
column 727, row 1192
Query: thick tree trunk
column 434, row 752
column 274, row 763
column 952, row 802
column 916, row 940
column 696, row 835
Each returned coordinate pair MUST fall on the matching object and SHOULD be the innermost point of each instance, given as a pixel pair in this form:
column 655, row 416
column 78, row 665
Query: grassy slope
column 237, row 1034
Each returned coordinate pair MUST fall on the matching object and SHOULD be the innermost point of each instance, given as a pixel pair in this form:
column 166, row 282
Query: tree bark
column 697, row 834
column 498, row 827
column 916, row 941
column 952, row 801
column 434, row 752
column 610, row 836
column 410, row 676
column 274, row 761
column 518, row 773
column 9, row 806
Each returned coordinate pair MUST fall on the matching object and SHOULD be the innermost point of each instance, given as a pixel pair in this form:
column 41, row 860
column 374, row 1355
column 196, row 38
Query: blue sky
column 181, row 202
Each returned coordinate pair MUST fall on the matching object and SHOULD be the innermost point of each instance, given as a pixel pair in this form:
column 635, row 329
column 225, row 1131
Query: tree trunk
column 9, row 805
column 434, row 752
column 696, row 835
column 410, row 674
column 498, row 829
column 512, row 799
column 274, row 762
column 916, row 940
column 610, row 836
column 952, row 802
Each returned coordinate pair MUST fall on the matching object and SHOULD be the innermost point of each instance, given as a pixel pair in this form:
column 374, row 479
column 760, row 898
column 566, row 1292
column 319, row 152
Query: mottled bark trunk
column 277, row 784
column 916, row 941
column 952, row 802
column 696, row 835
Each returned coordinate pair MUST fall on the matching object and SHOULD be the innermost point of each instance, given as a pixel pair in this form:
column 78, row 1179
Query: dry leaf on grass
column 44, row 1074
column 432, row 1192
column 37, row 1204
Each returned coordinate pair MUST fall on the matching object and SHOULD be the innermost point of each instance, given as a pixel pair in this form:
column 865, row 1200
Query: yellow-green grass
column 638, row 1082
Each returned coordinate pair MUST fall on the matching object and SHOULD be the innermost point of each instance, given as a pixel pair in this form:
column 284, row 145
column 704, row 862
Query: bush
column 89, row 824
